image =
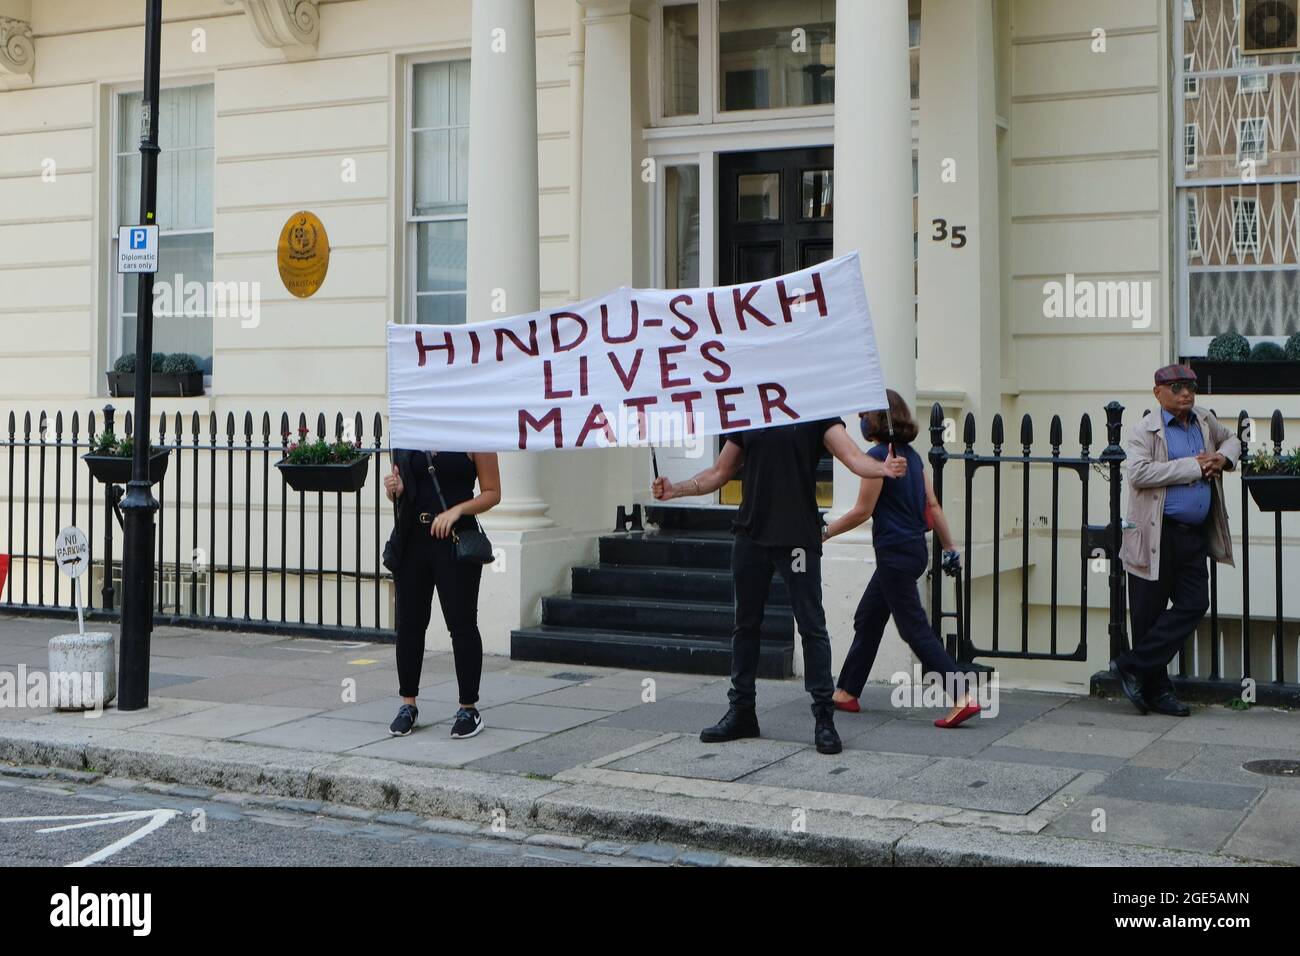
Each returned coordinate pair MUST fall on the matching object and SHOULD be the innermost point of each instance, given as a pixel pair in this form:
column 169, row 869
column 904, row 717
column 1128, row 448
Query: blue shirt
column 1189, row 504
column 899, row 515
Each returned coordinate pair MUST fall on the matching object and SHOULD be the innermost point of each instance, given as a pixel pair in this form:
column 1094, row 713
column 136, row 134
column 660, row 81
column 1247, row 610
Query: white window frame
column 1195, row 144
column 1248, row 83
column 410, row 221
column 117, row 150
column 1245, row 202
column 1295, row 228
column 1191, row 84
column 1189, row 10
column 1262, row 158
column 1189, row 179
column 710, row 93
column 1193, row 230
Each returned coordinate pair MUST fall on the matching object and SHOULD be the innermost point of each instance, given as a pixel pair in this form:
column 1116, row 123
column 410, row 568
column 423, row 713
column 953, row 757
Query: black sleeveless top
column 456, row 477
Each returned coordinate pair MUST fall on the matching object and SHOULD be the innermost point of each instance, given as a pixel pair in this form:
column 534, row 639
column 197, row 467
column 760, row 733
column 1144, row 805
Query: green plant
column 179, row 363
column 1267, row 463
column 1292, row 347
column 110, row 445
column 1267, row 352
column 105, row 444
column 156, row 361
column 126, row 364
column 1228, row 347
column 320, row 452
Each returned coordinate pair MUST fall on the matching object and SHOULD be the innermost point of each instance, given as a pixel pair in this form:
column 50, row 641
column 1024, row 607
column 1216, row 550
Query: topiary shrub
column 1267, row 352
column 179, row 363
column 1228, row 347
column 156, row 361
column 1292, row 348
column 126, row 364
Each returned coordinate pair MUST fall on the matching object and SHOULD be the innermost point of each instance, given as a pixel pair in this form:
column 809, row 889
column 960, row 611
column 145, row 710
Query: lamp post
column 138, row 506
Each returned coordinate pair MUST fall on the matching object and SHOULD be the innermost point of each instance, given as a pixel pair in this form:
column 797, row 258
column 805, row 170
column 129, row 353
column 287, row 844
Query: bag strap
column 433, row 473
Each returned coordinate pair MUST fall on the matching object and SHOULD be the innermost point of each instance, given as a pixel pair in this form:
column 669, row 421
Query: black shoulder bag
column 393, row 546
column 472, row 544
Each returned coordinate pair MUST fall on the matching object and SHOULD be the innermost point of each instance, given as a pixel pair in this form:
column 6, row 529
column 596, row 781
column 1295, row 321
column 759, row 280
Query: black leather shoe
column 1131, row 684
column 824, row 734
column 738, row 723
column 1170, row 705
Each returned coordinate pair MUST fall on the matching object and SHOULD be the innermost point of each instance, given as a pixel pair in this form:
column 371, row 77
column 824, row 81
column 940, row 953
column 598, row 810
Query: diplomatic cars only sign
column 137, row 249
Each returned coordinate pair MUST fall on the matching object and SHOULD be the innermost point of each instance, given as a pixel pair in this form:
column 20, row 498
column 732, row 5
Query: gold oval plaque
column 303, row 254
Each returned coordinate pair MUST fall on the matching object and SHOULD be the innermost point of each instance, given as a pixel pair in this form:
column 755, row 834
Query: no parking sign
column 72, row 557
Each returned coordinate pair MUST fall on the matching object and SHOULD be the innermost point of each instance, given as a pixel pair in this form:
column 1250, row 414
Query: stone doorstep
column 702, row 818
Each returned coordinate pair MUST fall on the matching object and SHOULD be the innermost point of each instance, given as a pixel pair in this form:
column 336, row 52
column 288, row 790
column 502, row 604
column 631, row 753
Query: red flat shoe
column 963, row 715
column 850, row 705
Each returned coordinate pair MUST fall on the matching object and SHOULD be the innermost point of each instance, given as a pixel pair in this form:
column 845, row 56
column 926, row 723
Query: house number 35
column 942, row 233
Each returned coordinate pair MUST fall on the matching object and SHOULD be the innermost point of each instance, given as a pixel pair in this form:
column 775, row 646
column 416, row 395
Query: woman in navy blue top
column 897, row 509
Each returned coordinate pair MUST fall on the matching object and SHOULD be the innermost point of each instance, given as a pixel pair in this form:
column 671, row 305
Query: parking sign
column 137, row 249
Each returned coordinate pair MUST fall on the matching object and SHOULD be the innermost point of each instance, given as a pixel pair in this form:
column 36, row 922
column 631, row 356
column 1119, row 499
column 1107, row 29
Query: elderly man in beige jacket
column 1175, row 459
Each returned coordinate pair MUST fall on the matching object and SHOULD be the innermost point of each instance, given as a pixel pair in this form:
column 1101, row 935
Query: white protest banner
column 640, row 366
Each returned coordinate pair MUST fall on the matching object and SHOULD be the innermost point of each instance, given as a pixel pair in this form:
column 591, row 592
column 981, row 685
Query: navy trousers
column 892, row 593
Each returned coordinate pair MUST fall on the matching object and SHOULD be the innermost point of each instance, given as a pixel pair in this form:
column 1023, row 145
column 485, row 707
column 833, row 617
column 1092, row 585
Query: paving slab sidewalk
column 1053, row 779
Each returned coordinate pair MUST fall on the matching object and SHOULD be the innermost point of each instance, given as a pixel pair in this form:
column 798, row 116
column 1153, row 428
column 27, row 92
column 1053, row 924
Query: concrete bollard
column 83, row 671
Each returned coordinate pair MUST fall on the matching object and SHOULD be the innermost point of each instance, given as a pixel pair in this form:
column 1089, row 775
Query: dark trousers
column 427, row 564
column 752, row 566
column 892, row 592
column 1159, row 630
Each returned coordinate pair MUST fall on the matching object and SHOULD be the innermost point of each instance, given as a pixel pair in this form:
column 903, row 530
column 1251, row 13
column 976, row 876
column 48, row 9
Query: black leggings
column 429, row 563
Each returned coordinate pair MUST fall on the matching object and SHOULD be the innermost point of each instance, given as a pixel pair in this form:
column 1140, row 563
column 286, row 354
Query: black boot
column 824, row 734
column 738, row 723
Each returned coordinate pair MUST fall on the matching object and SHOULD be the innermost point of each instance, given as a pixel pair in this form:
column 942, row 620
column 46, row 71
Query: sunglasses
column 1179, row 387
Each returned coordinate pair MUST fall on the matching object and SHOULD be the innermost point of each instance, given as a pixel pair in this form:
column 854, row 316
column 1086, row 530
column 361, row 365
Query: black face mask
column 865, row 424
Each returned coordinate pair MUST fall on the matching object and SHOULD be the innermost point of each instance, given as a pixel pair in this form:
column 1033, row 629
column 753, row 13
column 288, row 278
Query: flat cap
column 1174, row 373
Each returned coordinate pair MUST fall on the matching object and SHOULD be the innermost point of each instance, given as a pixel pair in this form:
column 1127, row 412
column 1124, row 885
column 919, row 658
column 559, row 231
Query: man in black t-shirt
column 779, row 528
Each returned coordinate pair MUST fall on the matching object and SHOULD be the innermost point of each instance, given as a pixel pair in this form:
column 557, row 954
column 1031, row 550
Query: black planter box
column 349, row 477
column 1246, row 378
column 114, row 470
column 1274, row 492
column 161, row 384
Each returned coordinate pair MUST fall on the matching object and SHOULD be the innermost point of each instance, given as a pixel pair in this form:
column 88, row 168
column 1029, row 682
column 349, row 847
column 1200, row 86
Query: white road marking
column 157, row 819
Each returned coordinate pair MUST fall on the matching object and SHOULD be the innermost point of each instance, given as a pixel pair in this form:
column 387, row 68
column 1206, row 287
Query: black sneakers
column 404, row 723
column 825, row 736
column 468, row 722
column 738, row 723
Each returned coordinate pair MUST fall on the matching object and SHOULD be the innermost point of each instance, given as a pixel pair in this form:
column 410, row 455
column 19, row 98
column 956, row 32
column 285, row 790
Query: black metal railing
column 237, row 547
column 1095, row 540
column 1100, row 545
column 287, row 561
column 1247, row 669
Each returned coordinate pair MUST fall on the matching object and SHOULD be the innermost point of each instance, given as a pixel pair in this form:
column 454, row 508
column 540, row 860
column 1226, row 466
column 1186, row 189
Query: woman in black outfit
column 426, row 555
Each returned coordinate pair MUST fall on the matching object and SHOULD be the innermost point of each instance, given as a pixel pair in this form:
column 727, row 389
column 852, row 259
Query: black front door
column 775, row 211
